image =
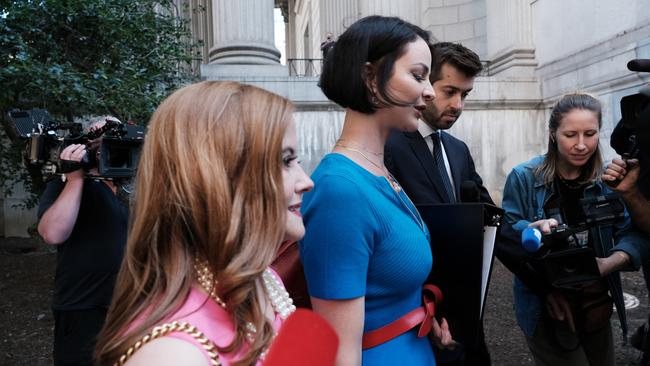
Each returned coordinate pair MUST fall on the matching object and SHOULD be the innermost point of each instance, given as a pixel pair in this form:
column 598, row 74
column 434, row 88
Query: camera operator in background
column 87, row 222
column 571, row 326
column 623, row 177
column 630, row 177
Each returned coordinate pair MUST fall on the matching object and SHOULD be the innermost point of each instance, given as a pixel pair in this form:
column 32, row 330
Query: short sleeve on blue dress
column 338, row 241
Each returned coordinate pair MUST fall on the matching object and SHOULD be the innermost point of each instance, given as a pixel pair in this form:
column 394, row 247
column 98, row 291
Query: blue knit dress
column 364, row 239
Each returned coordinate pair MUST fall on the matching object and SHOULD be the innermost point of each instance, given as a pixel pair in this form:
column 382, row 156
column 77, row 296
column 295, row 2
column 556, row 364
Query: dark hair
column 456, row 55
column 569, row 102
column 375, row 39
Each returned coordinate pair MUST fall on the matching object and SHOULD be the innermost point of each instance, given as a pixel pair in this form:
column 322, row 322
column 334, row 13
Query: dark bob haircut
column 375, row 39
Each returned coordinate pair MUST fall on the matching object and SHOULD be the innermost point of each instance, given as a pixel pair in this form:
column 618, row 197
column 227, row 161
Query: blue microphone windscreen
column 531, row 239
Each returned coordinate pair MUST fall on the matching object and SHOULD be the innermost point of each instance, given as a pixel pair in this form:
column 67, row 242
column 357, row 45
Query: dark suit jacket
column 409, row 159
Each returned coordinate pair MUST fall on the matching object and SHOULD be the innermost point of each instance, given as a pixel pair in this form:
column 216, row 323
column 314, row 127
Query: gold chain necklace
column 389, row 177
column 283, row 304
column 167, row 328
column 350, row 143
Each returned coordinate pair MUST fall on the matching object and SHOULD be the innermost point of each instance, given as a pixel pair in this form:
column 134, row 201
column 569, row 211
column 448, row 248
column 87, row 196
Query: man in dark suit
column 431, row 165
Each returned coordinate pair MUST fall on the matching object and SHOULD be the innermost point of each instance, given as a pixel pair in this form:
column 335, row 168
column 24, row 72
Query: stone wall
column 461, row 21
column 539, row 49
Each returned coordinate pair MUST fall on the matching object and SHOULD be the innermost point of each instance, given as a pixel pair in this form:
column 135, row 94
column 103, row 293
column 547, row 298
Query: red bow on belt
column 423, row 315
column 431, row 295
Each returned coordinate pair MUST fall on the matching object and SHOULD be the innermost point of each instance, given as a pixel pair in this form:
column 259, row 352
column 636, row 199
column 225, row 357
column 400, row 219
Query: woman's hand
column 441, row 335
column 545, row 225
column 614, row 262
column 558, row 308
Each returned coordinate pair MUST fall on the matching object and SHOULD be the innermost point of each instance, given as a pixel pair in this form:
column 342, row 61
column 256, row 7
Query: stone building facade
column 534, row 51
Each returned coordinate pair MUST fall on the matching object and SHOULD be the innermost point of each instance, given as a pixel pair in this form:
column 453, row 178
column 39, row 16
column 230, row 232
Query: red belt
column 423, row 316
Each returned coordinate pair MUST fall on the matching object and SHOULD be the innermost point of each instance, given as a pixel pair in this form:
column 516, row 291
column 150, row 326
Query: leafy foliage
column 91, row 57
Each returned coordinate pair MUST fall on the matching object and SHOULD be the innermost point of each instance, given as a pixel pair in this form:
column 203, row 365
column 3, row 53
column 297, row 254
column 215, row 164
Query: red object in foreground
column 305, row 338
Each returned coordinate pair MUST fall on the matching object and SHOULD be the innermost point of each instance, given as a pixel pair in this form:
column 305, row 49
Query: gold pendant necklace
column 350, row 143
column 393, row 183
column 389, row 177
column 415, row 216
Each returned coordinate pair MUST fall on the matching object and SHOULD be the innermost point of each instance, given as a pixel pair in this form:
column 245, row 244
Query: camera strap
column 68, row 166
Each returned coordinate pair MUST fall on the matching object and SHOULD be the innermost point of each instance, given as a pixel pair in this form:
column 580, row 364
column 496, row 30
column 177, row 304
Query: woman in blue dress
column 366, row 251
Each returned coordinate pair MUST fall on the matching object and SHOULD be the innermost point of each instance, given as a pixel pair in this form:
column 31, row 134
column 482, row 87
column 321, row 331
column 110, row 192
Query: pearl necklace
column 278, row 296
column 207, row 282
column 280, row 300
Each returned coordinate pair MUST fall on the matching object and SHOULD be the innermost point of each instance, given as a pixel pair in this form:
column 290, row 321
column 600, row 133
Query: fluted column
column 243, row 33
column 510, row 37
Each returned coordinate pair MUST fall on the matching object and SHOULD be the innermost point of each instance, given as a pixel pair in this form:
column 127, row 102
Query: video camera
column 562, row 256
column 119, row 148
column 631, row 136
column 598, row 211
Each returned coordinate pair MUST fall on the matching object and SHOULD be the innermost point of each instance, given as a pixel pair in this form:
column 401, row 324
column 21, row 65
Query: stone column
column 509, row 38
column 243, row 33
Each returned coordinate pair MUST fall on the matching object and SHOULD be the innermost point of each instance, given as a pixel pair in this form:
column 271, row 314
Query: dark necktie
column 440, row 163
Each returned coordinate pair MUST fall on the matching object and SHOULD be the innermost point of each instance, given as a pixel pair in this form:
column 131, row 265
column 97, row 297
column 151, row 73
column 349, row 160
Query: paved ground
column 26, row 321
column 506, row 341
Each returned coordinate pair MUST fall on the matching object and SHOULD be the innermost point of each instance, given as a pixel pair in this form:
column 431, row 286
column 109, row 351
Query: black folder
column 462, row 244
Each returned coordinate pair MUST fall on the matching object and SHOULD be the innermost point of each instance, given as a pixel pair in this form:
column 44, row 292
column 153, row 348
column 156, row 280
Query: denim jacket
column 524, row 197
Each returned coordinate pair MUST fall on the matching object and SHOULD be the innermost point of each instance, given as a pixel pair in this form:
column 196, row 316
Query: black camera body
column 598, row 211
column 632, row 133
column 631, row 136
column 565, row 260
column 119, row 147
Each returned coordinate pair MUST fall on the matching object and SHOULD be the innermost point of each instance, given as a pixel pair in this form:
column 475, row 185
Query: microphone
column 531, row 239
column 639, row 65
column 469, row 192
column 305, row 338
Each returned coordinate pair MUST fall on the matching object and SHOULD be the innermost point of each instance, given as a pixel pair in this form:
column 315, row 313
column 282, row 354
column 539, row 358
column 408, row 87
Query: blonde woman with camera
column 570, row 327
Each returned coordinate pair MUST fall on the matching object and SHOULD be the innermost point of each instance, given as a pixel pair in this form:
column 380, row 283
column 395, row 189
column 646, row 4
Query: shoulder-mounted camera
column 113, row 149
